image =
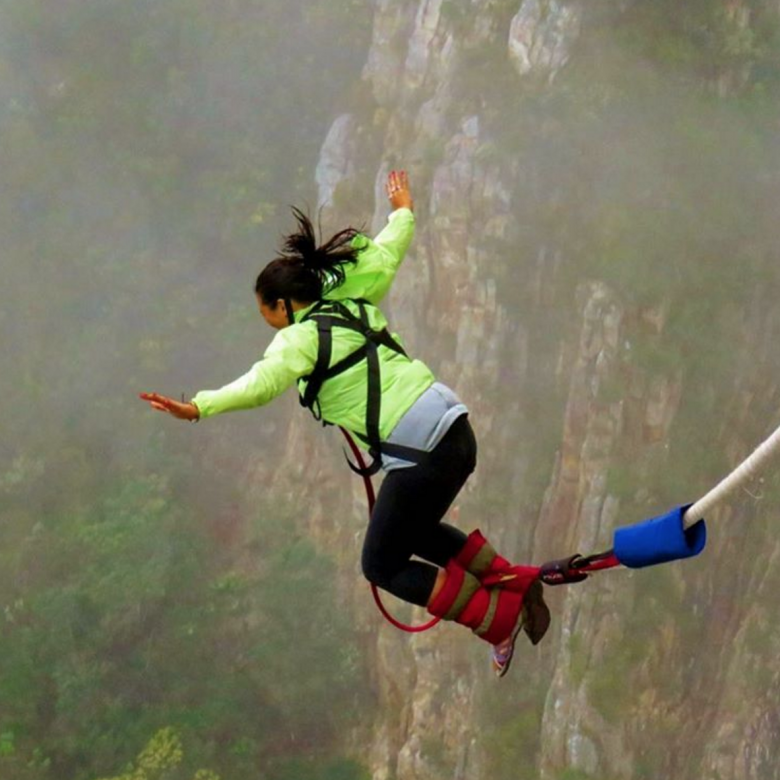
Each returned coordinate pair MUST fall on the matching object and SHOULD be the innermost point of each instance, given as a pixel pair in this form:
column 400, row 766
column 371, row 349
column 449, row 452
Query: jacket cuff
column 398, row 213
column 202, row 404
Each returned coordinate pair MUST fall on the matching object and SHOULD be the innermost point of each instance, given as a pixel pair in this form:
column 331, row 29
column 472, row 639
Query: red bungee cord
column 371, row 497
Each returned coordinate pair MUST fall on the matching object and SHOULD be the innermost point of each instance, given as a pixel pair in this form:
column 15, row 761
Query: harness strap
column 334, row 314
column 400, row 451
column 324, row 350
column 345, row 363
column 373, row 397
column 289, row 311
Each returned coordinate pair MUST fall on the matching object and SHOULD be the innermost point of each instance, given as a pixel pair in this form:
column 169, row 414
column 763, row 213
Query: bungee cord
column 747, row 470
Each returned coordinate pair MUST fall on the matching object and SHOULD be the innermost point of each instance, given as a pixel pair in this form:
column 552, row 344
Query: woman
column 334, row 343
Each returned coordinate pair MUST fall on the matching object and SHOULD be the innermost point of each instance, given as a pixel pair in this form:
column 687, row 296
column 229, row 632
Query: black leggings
column 407, row 517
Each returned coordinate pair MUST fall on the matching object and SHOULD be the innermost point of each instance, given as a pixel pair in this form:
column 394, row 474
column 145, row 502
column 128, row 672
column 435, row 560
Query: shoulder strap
column 334, row 314
column 374, row 390
column 317, row 377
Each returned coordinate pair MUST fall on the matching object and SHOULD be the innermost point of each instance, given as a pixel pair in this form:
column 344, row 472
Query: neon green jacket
column 293, row 352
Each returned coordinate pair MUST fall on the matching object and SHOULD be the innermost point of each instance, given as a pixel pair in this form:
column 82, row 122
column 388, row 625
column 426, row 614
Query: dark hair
column 303, row 270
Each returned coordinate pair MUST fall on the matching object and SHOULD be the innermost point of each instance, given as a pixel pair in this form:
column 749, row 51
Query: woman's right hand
column 397, row 188
column 181, row 410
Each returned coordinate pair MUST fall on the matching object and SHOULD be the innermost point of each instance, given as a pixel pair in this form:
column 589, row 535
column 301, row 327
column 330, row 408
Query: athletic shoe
column 534, row 621
column 503, row 652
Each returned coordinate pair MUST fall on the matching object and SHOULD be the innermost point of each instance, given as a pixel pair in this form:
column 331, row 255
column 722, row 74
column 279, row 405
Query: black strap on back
column 334, row 314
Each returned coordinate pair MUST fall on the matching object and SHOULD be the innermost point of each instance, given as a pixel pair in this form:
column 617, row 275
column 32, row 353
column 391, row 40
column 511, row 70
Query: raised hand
column 179, row 409
column 397, row 188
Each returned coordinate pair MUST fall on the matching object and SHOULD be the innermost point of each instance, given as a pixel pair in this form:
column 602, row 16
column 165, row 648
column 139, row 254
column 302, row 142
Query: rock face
column 335, row 163
column 541, row 36
column 576, row 424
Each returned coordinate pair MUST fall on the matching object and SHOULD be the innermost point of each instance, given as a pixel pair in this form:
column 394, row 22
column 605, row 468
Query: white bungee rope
column 748, row 469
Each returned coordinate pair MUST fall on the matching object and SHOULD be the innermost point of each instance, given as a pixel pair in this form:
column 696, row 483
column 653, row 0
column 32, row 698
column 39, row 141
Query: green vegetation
column 160, row 759
column 147, row 629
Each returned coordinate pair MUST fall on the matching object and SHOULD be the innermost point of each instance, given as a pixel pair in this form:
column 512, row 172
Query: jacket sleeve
column 378, row 259
column 291, row 355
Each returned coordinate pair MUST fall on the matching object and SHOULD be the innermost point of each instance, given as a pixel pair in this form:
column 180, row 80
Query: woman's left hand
column 398, row 192
column 179, row 409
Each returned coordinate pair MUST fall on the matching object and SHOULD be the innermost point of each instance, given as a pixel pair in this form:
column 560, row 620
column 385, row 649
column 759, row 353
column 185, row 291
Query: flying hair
column 327, row 260
column 304, row 269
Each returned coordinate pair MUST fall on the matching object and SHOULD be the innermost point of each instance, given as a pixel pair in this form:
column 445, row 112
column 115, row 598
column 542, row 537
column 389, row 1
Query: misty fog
column 595, row 271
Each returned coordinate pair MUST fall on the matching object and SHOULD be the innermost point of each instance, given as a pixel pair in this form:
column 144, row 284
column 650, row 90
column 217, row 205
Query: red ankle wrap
column 457, row 591
column 492, row 614
column 479, row 557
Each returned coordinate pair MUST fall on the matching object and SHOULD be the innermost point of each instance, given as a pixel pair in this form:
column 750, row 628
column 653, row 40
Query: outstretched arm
column 380, row 258
column 291, row 355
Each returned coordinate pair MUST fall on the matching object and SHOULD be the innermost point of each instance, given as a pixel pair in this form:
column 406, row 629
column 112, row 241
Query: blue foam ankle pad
column 659, row 540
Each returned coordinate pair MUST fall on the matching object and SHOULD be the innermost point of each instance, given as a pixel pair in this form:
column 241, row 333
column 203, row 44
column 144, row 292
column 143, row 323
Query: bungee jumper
column 333, row 342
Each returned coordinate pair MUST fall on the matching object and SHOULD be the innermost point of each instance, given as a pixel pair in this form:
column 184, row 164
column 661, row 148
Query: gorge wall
column 574, row 280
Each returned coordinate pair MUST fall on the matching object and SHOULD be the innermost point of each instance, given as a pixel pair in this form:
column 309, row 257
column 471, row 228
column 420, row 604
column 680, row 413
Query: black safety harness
column 334, row 314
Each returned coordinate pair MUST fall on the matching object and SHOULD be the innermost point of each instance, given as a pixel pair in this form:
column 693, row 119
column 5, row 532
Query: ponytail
column 303, row 271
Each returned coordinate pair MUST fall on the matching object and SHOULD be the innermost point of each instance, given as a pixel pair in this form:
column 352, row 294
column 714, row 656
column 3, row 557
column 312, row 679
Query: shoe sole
column 500, row 672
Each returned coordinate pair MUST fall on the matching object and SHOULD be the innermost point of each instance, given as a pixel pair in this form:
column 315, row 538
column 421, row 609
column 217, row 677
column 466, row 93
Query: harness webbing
column 334, row 314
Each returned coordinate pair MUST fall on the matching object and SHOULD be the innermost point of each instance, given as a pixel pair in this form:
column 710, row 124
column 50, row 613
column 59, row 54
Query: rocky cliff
column 567, row 279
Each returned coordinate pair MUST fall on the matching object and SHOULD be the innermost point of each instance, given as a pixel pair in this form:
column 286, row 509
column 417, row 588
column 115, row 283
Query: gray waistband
column 426, row 423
